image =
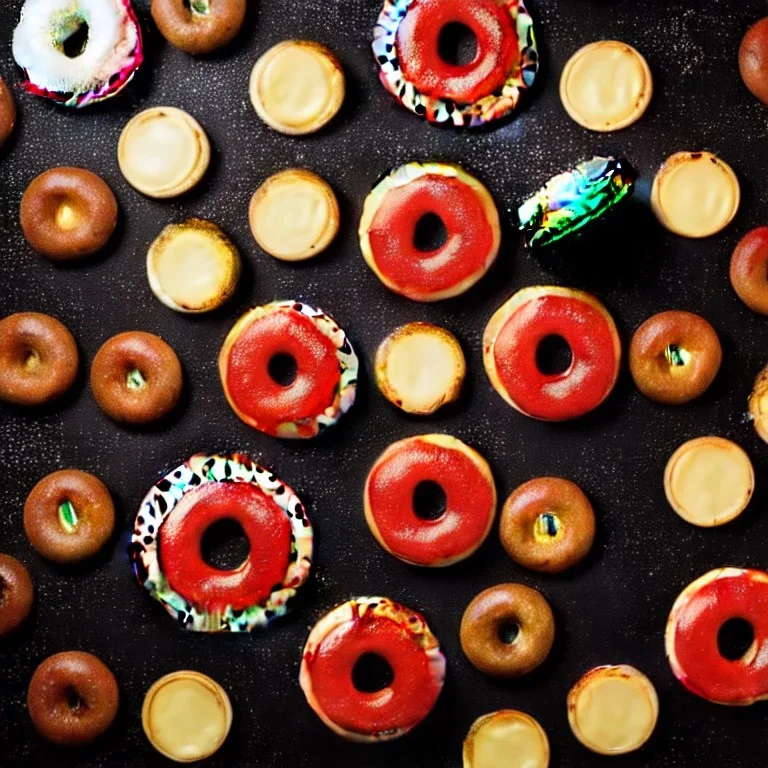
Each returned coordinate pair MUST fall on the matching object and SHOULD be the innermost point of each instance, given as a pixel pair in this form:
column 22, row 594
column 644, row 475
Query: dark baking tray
column 613, row 608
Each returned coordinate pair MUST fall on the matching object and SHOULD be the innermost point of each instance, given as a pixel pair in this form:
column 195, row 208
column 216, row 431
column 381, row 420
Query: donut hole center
column 31, row 360
column 676, row 355
column 736, row 640
column 508, row 632
column 430, row 233
column 74, row 700
column 554, row 355
column 68, row 516
column 457, row 44
column 429, row 500
column 282, row 369
column 67, row 216
column 372, row 673
column 224, row 545
column 76, row 41
column 135, row 380
column 547, row 526
column 199, row 7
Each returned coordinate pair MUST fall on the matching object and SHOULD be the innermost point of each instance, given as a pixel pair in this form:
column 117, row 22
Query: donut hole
column 224, row 545
column 508, row 632
column 135, row 380
column 372, row 673
column 31, row 359
column 430, row 233
column 676, row 355
column 201, row 7
column 547, row 526
column 457, row 44
column 74, row 44
column 74, row 700
column 735, row 639
column 67, row 214
column 282, row 369
column 429, row 500
column 553, row 355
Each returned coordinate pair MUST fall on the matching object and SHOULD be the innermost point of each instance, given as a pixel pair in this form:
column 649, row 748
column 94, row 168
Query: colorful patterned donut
column 392, row 493
column 396, row 637
column 514, row 334
column 390, row 221
column 111, row 49
column 691, row 639
column 180, row 508
column 325, row 381
column 406, row 44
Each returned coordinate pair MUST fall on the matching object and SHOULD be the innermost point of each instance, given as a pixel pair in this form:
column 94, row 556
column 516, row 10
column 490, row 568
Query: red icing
column 269, row 534
column 704, row 670
column 593, row 370
column 417, row 44
column 257, row 395
column 466, row 251
column 469, row 494
column 403, row 704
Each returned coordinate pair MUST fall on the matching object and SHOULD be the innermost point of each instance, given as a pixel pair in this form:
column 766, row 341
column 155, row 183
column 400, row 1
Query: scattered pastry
column 38, row 359
column 572, row 201
column 69, row 516
column 297, row 87
column 613, row 710
column 288, row 370
column 68, row 213
column 749, row 266
column 709, row 481
column 758, row 404
column 695, row 194
column 163, row 152
column 507, row 630
column 198, row 26
column 701, row 610
column 606, row 86
column 186, row 716
column 17, row 593
column 72, row 698
column 136, row 378
column 753, row 59
column 408, row 43
column 193, row 267
column 506, row 739
column 7, row 112
column 403, row 495
column 674, row 357
column 175, row 514
column 379, row 630
column 398, row 206
column 420, row 367
column 547, row 524
column 294, row 215
column 514, row 334
column 77, row 52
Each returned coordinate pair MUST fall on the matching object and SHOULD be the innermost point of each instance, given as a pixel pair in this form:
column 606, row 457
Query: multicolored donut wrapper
column 572, row 200
column 111, row 53
column 444, row 111
column 159, row 503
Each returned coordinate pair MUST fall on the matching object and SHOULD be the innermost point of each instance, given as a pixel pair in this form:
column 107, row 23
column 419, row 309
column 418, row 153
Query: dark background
column 613, row 608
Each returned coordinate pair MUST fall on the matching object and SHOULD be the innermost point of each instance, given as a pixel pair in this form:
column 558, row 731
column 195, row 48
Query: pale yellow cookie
column 506, row 739
column 606, row 86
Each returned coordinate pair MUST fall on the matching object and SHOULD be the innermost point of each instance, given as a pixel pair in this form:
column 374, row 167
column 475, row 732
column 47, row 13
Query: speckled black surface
column 613, row 608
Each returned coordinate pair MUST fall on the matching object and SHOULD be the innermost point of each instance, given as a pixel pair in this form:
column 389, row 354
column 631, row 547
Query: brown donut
column 38, row 358
column 489, row 624
column 547, row 524
column 68, row 213
column 753, row 59
column 16, row 593
column 199, row 26
column 69, row 516
column 72, row 698
column 136, row 378
column 7, row 112
column 674, row 357
column 749, row 270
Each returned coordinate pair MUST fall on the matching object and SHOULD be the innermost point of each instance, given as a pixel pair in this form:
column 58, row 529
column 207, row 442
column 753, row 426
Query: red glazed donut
column 702, row 608
column 392, row 492
column 388, row 230
column 325, row 381
column 749, row 266
column 512, row 338
column 401, row 639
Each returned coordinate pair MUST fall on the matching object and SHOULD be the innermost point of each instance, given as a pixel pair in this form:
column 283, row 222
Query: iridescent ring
column 406, row 44
column 175, row 515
